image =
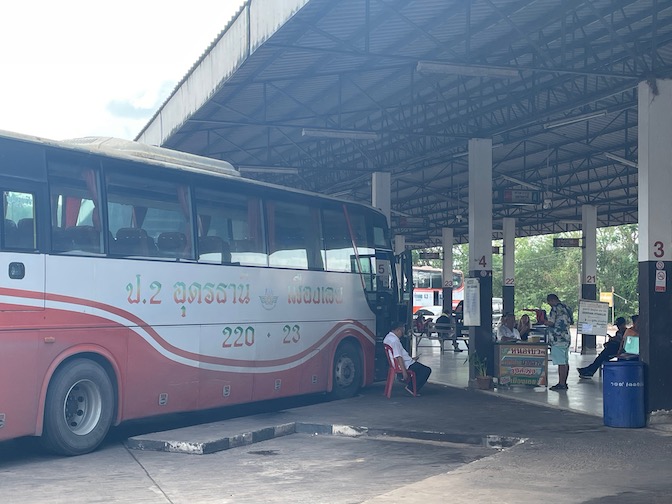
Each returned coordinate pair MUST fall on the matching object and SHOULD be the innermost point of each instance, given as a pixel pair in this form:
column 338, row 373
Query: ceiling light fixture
column 575, row 119
column 287, row 170
column 621, row 160
column 339, row 133
column 437, row 67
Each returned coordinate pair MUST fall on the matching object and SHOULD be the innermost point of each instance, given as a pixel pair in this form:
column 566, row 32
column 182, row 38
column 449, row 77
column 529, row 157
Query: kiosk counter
column 522, row 363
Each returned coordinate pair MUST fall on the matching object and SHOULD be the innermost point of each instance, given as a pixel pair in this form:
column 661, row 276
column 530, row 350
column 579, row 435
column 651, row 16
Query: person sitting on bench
column 444, row 327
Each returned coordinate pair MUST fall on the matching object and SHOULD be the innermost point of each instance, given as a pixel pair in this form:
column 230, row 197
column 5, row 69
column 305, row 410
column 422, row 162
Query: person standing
column 559, row 338
column 459, row 325
column 611, row 349
column 405, row 361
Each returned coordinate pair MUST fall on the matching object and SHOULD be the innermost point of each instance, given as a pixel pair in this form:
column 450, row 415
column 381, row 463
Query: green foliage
column 480, row 364
column 542, row 269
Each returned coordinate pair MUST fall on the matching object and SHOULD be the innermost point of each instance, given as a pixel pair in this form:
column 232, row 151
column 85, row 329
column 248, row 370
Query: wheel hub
column 82, row 407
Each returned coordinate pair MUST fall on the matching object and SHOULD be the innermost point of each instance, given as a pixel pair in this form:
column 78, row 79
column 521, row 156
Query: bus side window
column 337, row 242
column 10, row 233
column 75, row 206
column 229, row 228
column 19, row 226
column 149, row 216
column 293, row 235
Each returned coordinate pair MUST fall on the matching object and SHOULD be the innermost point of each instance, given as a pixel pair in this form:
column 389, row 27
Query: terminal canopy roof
column 319, row 94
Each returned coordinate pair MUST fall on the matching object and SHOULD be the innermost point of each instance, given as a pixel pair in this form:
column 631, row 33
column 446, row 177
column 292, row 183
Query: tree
column 542, row 269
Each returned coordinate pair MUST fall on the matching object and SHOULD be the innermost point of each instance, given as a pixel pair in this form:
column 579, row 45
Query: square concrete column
column 447, row 242
column 480, row 246
column 588, row 268
column 655, row 238
column 508, row 263
column 381, row 193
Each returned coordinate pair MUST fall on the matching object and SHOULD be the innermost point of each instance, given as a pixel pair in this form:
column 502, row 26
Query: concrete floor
column 583, row 396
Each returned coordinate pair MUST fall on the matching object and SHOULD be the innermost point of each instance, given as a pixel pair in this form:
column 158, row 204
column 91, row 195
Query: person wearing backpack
column 559, row 338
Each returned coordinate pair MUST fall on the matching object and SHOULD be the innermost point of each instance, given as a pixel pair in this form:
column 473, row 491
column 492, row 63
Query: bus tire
column 347, row 371
column 79, row 408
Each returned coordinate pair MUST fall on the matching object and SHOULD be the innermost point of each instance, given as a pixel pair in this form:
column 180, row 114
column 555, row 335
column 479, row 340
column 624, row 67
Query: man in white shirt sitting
column 405, row 361
column 507, row 331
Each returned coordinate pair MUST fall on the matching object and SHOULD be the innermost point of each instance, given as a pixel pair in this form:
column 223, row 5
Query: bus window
column 75, row 207
column 293, row 236
column 19, row 224
column 337, row 241
column 381, row 235
column 149, row 216
column 229, row 227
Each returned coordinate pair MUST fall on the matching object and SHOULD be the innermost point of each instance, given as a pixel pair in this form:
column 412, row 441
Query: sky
column 75, row 68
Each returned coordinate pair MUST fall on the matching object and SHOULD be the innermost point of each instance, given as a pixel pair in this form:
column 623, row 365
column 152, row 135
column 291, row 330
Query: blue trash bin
column 623, row 394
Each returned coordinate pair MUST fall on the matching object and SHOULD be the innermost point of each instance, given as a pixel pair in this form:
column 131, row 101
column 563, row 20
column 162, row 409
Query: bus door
column 22, row 267
column 379, row 282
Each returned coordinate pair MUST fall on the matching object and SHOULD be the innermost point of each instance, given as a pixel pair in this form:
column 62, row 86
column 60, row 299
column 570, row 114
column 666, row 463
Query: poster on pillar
column 593, row 317
column 472, row 302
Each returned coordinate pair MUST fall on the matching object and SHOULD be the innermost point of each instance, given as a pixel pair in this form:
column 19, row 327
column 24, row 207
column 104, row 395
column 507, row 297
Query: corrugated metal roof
column 352, row 64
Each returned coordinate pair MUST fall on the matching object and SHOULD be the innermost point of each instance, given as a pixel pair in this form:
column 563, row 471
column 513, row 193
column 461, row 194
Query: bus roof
column 155, row 155
column 161, row 156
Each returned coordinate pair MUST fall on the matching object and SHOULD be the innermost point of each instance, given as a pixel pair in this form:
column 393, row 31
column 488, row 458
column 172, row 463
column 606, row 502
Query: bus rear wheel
column 347, row 371
column 79, row 409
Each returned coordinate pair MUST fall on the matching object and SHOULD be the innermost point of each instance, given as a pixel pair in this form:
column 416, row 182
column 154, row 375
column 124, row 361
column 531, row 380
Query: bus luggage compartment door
column 22, row 281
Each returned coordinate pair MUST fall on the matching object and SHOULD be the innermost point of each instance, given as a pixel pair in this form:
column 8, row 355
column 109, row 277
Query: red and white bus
column 428, row 287
column 140, row 281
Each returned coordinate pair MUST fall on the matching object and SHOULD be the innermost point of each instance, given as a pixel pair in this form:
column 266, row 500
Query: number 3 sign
column 658, row 250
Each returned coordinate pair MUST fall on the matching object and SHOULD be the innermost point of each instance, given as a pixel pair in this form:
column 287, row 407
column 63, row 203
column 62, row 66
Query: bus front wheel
column 79, row 409
column 347, row 371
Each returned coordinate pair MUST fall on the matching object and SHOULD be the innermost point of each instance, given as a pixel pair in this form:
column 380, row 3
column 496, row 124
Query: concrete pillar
column 655, row 238
column 480, row 246
column 588, row 267
column 399, row 244
column 381, row 193
column 447, row 242
column 508, row 264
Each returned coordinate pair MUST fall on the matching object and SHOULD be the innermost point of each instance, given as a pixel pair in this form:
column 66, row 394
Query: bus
column 428, row 287
column 140, row 281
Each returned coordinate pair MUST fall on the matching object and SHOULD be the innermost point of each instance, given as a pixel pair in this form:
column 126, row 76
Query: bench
column 441, row 333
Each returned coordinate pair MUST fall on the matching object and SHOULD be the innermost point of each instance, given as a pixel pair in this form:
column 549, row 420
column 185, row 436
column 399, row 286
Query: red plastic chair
column 393, row 370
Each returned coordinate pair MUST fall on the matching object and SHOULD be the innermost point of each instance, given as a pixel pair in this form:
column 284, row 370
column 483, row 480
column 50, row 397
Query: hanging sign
column 518, row 197
column 566, row 242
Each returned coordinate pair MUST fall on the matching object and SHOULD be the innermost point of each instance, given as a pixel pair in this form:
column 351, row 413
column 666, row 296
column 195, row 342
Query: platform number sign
column 658, row 249
column 383, row 271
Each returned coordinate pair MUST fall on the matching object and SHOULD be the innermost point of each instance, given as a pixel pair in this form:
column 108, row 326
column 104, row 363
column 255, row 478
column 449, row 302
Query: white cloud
column 80, row 68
